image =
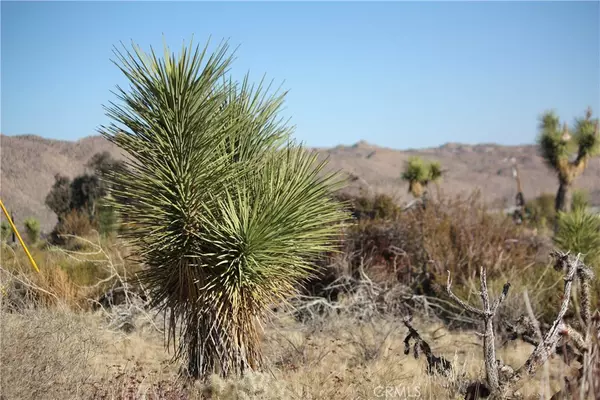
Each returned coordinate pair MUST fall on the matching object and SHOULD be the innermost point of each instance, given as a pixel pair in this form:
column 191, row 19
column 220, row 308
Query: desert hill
column 29, row 163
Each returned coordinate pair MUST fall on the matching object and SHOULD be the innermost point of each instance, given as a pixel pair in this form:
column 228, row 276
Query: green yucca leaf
column 223, row 210
column 579, row 232
column 435, row 171
column 553, row 148
column 587, row 138
column 556, row 148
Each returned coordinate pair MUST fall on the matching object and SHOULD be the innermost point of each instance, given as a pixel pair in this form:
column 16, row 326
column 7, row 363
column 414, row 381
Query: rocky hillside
column 29, row 163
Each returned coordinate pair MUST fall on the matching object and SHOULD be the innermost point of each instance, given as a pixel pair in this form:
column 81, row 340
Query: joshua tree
column 419, row 173
column 224, row 210
column 567, row 154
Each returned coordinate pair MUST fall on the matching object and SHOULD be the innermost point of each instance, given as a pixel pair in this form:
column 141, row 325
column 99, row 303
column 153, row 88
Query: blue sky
column 402, row 74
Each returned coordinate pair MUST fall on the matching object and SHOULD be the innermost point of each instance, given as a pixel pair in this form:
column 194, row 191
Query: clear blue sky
column 402, row 75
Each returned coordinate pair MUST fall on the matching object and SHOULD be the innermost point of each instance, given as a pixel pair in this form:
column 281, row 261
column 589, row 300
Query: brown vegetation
column 322, row 346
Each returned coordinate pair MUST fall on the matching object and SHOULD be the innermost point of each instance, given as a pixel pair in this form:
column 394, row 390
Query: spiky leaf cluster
column 223, row 208
column 419, row 173
column 579, row 232
column 565, row 152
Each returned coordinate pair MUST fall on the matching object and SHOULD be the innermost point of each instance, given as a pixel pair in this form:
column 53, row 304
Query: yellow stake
column 14, row 228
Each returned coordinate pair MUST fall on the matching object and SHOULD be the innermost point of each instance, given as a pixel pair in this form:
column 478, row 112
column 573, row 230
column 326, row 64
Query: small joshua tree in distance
column 567, row 154
column 419, row 174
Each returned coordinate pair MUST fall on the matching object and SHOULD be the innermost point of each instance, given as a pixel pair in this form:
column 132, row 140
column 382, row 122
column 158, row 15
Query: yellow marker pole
column 14, row 228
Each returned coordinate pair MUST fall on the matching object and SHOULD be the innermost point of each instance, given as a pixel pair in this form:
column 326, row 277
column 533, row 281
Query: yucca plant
column 579, row 232
column 224, row 210
column 419, row 174
column 567, row 154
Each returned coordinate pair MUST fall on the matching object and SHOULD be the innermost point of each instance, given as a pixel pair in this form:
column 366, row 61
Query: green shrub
column 106, row 218
column 5, row 231
column 581, row 200
column 84, row 273
column 579, row 232
column 540, row 212
column 32, row 229
column 367, row 207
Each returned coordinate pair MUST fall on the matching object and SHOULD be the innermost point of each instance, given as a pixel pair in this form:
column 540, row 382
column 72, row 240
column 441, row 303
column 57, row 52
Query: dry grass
column 52, row 344
column 46, row 354
column 67, row 277
column 65, row 355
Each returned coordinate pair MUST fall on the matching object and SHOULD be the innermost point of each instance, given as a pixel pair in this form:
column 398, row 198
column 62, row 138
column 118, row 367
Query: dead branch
column 502, row 379
column 548, row 345
column 487, row 315
column 459, row 301
column 434, row 363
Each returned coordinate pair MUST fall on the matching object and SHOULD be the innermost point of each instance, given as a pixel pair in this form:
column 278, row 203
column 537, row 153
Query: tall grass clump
column 223, row 209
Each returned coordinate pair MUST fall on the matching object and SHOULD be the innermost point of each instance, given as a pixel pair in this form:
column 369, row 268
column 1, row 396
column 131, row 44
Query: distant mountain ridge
column 29, row 163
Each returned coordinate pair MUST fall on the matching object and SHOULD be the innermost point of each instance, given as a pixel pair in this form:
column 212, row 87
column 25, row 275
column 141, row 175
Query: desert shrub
column 383, row 248
column 4, row 231
column 65, row 278
column 581, row 199
column 421, row 245
column 460, row 235
column 364, row 206
column 86, row 194
column 541, row 212
column 59, row 198
column 32, row 229
column 86, row 190
column 84, row 272
column 73, row 223
column 106, row 218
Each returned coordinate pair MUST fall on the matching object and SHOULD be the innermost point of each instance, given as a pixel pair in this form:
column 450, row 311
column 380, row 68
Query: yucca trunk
column 564, row 196
column 416, row 188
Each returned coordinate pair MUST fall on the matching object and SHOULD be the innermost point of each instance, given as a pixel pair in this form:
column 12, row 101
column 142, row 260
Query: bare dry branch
column 459, row 301
column 502, row 297
column 548, row 345
column 434, row 363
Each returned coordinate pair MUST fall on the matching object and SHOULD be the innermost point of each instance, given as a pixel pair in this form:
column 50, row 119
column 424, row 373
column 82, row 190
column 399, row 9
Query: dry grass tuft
column 46, row 355
column 66, row 355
